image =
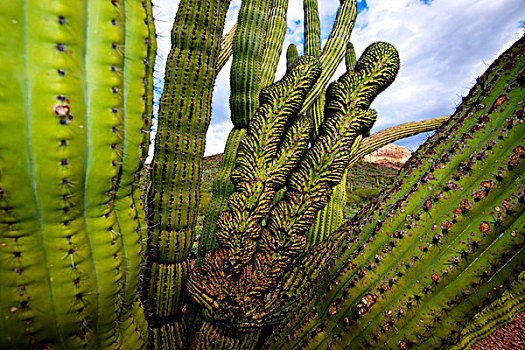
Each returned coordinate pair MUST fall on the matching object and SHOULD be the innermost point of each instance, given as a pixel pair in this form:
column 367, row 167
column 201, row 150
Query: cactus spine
column 434, row 243
column 69, row 277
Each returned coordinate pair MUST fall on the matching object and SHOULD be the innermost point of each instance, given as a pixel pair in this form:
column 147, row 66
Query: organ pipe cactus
column 233, row 283
column 435, row 245
column 176, row 172
column 78, row 82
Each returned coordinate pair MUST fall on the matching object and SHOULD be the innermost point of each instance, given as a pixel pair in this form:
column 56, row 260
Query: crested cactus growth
column 173, row 196
column 260, row 239
column 69, row 256
column 435, row 245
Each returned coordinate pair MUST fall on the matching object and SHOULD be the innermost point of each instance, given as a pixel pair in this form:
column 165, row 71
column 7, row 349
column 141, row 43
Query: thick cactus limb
column 221, row 190
column 274, row 41
column 173, row 197
column 389, row 135
column 248, row 48
column 440, row 219
column 259, row 172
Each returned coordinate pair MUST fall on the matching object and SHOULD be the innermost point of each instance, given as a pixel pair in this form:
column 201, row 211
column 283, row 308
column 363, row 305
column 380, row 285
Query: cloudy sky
column 443, row 45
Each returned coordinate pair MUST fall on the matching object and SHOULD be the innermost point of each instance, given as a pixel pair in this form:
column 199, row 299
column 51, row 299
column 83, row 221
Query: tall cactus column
column 184, row 115
column 64, row 269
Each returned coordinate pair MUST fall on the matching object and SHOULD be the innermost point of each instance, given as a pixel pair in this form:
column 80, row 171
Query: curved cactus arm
column 291, row 55
column 398, row 132
column 248, row 49
column 274, row 41
column 173, row 196
column 438, row 220
column 334, row 49
column 324, row 165
column 226, row 48
column 221, row 190
column 501, row 312
column 263, row 162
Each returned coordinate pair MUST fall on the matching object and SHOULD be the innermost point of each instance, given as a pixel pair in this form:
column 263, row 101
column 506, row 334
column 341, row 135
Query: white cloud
column 443, row 45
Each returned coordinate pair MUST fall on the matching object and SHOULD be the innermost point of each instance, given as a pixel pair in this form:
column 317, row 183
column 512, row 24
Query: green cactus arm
column 274, row 41
column 291, row 55
column 334, row 49
column 499, row 313
column 173, row 196
column 350, row 58
column 312, row 31
column 312, row 46
column 436, row 203
column 248, row 48
column 221, row 190
column 226, row 48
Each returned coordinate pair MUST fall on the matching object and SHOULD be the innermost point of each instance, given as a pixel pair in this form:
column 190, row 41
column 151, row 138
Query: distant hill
column 390, row 156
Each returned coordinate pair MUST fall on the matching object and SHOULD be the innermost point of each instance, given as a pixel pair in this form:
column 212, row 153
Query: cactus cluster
column 259, row 238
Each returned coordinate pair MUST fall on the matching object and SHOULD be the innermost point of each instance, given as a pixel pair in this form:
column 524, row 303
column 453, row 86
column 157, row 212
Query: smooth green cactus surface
column 69, row 256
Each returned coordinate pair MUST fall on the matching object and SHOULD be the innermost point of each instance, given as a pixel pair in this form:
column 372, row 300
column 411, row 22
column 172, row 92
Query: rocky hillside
column 390, row 156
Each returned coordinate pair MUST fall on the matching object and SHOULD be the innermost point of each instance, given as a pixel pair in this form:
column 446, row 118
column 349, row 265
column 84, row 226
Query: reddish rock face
column 390, row 155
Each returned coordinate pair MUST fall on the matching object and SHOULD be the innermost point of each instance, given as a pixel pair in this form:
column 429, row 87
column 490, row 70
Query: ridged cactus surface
column 176, row 174
column 72, row 110
column 434, row 247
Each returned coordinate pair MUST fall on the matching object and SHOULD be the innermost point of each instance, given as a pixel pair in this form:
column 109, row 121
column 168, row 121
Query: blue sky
column 444, row 45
